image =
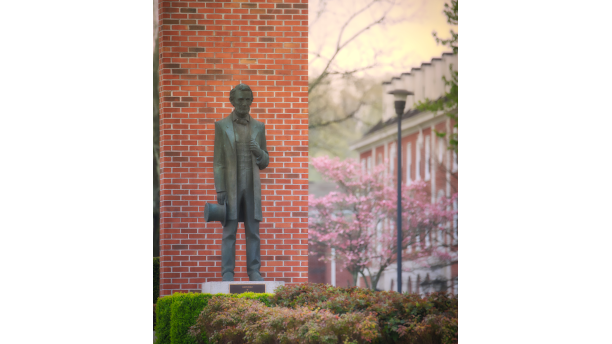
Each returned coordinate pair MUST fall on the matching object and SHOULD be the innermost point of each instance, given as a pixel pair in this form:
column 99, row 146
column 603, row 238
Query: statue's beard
column 242, row 114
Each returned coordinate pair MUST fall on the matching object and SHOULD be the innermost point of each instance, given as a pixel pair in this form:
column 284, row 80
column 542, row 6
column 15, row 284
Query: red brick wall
column 206, row 47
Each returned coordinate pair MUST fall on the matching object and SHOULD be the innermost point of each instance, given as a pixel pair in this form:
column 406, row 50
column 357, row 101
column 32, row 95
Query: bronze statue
column 240, row 152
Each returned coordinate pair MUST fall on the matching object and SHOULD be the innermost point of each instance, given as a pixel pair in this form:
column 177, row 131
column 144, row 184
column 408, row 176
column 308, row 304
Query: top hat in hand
column 215, row 212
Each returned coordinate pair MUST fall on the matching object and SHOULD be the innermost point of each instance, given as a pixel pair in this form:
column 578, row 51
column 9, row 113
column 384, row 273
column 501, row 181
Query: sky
column 403, row 42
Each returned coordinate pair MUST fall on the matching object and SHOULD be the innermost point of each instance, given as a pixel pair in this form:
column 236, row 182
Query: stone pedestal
column 239, row 287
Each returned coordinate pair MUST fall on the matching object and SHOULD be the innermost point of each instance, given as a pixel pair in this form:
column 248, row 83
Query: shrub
column 155, row 279
column 229, row 320
column 176, row 313
column 162, row 326
column 184, row 311
column 402, row 318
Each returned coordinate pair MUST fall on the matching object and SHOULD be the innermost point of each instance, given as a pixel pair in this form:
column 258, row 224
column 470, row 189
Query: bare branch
column 322, row 7
column 340, row 45
column 324, row 124
column 354, row 70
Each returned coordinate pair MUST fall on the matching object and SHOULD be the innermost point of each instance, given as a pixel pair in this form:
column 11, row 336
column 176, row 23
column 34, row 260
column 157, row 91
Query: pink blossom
column 355, row 220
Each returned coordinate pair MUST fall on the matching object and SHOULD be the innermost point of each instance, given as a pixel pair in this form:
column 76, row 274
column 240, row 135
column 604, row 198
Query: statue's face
column 242, row 102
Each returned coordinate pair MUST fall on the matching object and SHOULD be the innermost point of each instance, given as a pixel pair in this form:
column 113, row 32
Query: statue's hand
column 255, row 148
column 221, row 197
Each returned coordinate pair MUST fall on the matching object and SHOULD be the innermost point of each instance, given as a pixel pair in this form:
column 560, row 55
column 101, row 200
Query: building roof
column 381, row 125
column 393, row 120
column 419, row 68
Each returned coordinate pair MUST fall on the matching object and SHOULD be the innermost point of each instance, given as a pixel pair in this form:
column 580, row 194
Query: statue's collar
column 235, row 117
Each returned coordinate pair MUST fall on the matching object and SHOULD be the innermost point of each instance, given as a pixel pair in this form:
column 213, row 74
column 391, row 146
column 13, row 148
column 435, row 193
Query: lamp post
column 400, row 104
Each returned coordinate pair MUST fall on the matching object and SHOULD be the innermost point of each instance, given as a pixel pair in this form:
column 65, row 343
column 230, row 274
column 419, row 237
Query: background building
column 324, row 271
column 424, row 157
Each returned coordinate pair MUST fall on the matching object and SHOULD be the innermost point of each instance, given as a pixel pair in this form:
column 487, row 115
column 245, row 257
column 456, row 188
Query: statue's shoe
column 228, row 277
column 255, row 276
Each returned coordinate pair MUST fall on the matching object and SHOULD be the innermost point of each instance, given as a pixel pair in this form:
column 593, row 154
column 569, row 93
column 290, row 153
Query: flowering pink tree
column 358, row 220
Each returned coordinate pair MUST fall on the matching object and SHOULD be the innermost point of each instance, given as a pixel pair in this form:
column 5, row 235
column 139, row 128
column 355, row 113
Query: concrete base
column 224, row 287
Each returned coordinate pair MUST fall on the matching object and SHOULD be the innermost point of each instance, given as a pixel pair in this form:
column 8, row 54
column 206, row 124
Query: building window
column 442, row 232
column 427, row 158
column 409, row 285
column 408, row 163
column 379, row 229
column 418, row 158
column 427, row 285
column 441, row 149
column 455, row 224
column 392, row 160
column 427, row 242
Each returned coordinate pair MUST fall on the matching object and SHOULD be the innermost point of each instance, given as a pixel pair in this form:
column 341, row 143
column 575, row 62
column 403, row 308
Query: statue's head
column 241, row 98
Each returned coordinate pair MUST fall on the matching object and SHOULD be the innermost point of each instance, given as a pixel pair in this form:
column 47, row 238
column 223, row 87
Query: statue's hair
column 240, row 87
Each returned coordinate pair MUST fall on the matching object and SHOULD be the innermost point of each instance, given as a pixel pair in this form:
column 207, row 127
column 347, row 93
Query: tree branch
column 324, row 124
column 340, row 46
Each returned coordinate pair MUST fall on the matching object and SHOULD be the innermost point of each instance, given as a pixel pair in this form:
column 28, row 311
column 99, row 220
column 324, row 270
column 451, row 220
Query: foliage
column 176, row 313
column 163, row 313
column 154, row 317
column 155, row 279
column 402, row 318
column 184, row 310
column 449, row 103
column 452, row 17
column 353, row 220
column 228, row 320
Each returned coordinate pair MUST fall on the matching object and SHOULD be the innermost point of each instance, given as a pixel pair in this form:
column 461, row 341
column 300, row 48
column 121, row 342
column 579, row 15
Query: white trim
column 333, row 268
column 409, row 126
column 419, row 147
column 432, row 165
column 427, row 158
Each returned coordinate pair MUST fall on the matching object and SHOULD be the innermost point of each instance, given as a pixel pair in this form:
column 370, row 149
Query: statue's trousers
column 246, row 206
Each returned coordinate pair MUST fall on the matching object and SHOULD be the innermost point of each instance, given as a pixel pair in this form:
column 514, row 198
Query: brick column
column 206, row 48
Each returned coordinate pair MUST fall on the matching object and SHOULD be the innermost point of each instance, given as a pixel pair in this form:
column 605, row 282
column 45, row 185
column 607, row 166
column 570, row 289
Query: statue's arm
column 263, row 160
column 219, row 160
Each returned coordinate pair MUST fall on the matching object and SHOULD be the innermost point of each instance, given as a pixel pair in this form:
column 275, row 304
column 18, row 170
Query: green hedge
column 178, row 312
column 155, row 279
